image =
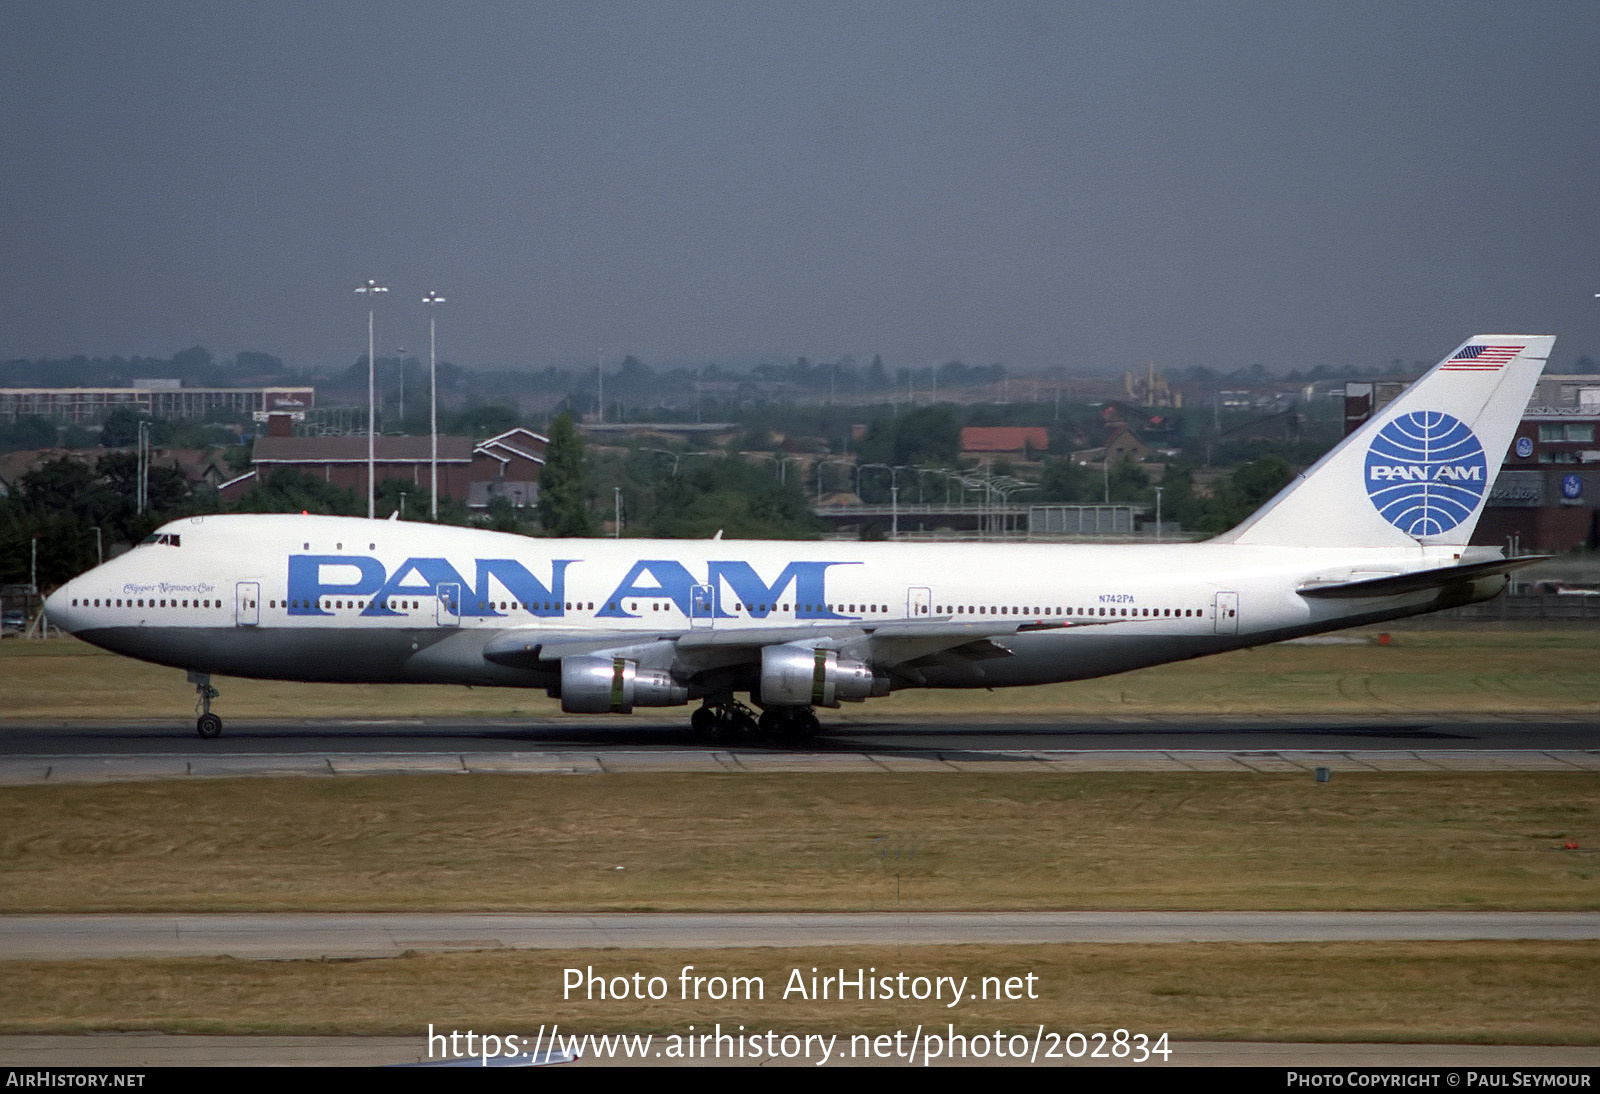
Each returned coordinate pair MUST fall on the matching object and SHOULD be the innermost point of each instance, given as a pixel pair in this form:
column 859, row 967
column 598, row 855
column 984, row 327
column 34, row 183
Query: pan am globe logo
column 1426, row 472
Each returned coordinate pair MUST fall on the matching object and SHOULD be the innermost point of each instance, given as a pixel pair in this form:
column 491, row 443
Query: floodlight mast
column 370, row 290
column 433, row 299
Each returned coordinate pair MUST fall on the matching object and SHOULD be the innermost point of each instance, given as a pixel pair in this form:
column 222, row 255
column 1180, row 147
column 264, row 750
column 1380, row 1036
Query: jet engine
column 802, row 676
column 615, row 685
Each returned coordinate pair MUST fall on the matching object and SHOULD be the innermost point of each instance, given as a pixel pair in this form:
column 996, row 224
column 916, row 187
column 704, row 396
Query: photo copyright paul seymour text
column 1462, row 1079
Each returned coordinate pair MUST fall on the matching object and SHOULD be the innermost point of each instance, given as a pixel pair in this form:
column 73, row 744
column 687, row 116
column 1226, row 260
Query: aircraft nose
column 57, row 608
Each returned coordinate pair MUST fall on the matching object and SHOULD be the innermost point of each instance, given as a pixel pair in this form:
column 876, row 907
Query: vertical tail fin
column 1420, row 470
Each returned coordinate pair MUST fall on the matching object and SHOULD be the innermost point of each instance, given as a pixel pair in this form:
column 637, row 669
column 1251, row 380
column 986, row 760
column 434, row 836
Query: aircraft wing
column 885, row 644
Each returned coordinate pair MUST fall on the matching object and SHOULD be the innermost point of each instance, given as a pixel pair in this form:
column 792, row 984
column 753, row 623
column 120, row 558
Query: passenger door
column 449, row 605
column 919, row 603
column 247, row 604
column 702, row 607
column 1227, row 613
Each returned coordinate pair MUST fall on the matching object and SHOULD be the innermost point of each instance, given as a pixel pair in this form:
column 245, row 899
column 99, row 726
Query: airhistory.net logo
column 1426, row 472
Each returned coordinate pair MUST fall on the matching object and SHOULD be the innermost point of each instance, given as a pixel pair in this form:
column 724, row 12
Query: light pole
column 144, row 464
column 371, row 290
column 99, row 549
column 433, row 299
column 1158, row 512
column 400, row 352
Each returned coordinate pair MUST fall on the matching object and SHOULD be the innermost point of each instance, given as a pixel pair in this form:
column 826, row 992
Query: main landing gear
column 208, row 725
column 731, row 720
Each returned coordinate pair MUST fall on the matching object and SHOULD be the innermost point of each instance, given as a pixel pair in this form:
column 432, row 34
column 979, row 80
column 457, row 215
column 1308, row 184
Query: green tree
column 1249, row 488
column 1066, row 480
column 928, row 435
column 741, row 500
column 28, row 431
column 121, row 428
column 563, row 484
column 1128, row 481
column 1179, row 502
column 480, row 420
column 290, row 491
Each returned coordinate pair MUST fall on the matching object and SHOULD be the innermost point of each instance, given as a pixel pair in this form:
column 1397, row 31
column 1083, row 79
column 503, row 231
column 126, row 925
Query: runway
column 87, row 751
column 41, row 753
column 309, row 935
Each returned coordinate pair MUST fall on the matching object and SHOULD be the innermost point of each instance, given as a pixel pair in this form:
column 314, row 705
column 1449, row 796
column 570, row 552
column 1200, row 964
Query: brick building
column 506, row 465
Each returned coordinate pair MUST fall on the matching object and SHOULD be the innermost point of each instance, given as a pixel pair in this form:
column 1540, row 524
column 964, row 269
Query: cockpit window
column 168, row 538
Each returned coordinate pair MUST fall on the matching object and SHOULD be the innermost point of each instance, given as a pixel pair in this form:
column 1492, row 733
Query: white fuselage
column 335, row 598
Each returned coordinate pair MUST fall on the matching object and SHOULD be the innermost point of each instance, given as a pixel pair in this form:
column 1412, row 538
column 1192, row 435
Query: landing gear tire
column 797, row 724
column 208, row 725
column 723, row 728
column 723, row 722
column 804, row 725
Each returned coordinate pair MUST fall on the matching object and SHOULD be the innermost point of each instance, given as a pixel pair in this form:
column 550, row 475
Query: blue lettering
column 433, row 572
column 523, row 586
column 759, row 598
column 672, row 580
column 421, row 577
column 306, row 587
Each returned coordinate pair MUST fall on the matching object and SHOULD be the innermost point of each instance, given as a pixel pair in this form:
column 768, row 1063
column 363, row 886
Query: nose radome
column 56, row 608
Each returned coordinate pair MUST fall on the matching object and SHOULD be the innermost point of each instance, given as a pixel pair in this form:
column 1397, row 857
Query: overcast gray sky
column 1083, row 184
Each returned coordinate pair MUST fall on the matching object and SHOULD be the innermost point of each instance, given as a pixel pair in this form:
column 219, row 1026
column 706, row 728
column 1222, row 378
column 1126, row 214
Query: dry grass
column 805, row 841
column 1523, row 992
column 1476, row 671
column 817, row 842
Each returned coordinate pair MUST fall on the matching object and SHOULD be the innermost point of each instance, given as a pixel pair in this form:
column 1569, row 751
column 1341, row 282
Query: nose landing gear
column 208, row 725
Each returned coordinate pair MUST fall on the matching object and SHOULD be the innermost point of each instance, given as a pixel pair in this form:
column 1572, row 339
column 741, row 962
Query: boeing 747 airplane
column 1377, row 529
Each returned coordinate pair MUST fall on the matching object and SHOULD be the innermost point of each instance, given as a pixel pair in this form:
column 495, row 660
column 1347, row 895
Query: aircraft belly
column 457, row 657
column 1051, row 658
column 323, row 656
column 320, row 655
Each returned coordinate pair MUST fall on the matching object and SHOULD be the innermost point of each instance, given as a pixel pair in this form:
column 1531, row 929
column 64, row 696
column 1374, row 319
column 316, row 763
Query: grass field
column 1015, row 840
column 1482, row 670
column 1516, row 993
column 805, row 842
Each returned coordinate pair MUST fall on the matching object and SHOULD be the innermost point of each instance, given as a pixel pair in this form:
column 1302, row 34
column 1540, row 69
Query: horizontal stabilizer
column 1419, row 581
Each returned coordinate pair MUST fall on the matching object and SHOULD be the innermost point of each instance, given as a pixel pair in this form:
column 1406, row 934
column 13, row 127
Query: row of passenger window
column 851, row 609
column 1035, row 611
column 136, row 602
column 1091, row 613
column 388, row 604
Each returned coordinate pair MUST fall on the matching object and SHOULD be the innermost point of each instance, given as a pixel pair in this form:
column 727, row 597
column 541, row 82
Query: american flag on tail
column 1481, row 358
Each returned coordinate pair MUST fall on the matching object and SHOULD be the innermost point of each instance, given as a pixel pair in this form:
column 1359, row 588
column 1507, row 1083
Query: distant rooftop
column 656, row 427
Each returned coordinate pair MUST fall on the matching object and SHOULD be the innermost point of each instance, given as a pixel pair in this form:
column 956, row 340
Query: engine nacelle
column 615, row 685
column 801, row 676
